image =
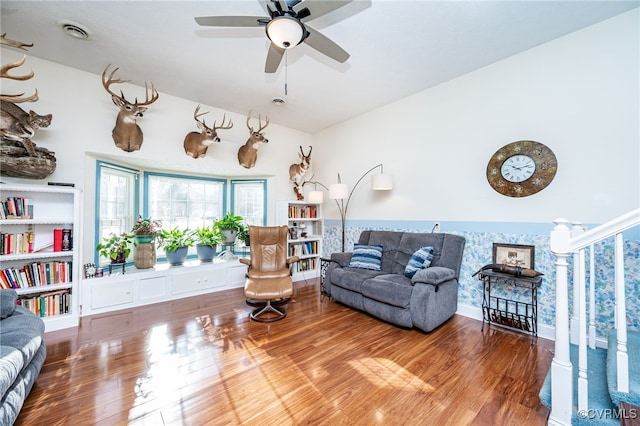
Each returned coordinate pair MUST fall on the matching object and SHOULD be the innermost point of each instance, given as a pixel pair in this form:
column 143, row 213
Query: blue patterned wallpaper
column 478, row 252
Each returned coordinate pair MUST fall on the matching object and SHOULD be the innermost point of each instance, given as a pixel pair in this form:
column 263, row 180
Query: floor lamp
column 342, row 196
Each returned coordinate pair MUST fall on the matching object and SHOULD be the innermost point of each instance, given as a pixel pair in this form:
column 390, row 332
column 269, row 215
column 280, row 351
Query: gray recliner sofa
column 424, row 301
column 22, row 353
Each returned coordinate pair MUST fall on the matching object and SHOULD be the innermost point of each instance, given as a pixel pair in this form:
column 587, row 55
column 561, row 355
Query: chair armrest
column 342, row 258
column 434, row 275
column 245, row 260
column 292, row 259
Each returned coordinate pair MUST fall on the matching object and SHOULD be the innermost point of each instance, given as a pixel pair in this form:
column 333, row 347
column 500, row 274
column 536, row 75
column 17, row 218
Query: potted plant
column 207, row 240
column 176, row 243
column 146, row 229
column 230, row 225
column 243, row 234
column 116, row 247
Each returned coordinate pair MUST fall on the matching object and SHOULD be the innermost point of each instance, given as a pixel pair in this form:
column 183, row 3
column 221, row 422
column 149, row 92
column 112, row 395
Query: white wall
column 578, row 95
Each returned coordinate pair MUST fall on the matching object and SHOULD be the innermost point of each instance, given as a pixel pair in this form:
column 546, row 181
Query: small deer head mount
column 248, row 153
column 197, row 143
column 298, row 171
column 126, row 134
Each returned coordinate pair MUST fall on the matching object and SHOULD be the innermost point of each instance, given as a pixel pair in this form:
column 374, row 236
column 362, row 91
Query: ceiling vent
column 74, row 30
column 278, row 101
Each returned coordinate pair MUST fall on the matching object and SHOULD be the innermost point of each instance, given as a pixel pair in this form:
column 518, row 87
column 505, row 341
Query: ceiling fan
column 286, row 27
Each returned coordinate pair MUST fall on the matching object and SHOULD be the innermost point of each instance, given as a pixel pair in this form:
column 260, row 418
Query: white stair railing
column 569, row 240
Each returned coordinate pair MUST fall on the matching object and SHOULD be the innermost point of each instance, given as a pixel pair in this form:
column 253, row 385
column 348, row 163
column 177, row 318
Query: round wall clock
column 521, row 168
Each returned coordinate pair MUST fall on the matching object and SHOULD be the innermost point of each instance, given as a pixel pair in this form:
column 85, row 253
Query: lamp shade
column 285, row 31
column 338, row 191
column 381, row 182
column 315, row 197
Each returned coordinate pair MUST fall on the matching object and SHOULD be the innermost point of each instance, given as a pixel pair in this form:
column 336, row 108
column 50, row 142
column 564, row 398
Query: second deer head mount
column 248, row 153
column 126, row 134
column 197, row 143
column 298, row 171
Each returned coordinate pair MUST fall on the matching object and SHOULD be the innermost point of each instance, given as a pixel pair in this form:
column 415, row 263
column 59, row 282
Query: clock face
column 521, row 168
column 518, row 168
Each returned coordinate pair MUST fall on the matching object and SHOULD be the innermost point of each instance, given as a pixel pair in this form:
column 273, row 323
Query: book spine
column 57, row 240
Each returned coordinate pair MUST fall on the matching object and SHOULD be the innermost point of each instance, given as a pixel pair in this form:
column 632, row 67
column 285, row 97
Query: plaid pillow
column 366, row 257
column 419, row 260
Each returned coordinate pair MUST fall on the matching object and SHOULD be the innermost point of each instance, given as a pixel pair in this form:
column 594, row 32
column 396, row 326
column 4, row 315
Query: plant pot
column 229, row 235
column 145, row 256
column 206, row 253
column 177, row 257
column 120, row 258
column 144, row 239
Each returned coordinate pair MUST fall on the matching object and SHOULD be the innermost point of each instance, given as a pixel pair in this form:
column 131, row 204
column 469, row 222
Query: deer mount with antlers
column 248, row 153
column 197, row 143
column 126, row 134
column 20, row 156
column 298, row 171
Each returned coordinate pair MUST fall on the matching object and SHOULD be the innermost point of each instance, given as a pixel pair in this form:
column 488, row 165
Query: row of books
column 48, row 304
column 19, row 243
column 304, row 248
column 305, row 265
column 310, row 212
column 16, row 208
column 36, row 274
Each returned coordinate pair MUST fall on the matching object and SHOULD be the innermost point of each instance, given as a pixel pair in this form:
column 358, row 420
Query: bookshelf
column 40, row 250
column 303, row 218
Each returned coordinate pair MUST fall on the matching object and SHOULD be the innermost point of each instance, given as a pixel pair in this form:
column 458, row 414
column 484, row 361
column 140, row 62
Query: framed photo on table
column 514, row 255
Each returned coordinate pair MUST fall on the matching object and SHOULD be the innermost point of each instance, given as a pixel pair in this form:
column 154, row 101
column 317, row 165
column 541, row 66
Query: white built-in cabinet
column 46, row 280
column 305, row 237
column 160, row 284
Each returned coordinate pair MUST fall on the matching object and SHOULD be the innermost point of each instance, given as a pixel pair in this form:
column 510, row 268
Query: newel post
column 561, row 367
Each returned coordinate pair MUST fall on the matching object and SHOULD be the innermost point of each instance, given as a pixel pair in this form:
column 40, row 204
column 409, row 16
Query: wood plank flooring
column 201, row 361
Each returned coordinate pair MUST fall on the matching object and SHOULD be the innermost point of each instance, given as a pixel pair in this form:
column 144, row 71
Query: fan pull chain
column 286, row 63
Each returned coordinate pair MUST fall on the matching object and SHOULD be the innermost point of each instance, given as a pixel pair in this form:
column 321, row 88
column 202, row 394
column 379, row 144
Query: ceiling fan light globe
column 285, row 32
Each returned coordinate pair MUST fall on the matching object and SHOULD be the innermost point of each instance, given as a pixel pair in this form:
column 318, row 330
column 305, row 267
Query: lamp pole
column 340, row 202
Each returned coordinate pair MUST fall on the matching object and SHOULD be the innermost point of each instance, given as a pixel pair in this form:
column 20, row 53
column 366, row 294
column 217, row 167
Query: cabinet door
column 111, row 294
column 152, row 289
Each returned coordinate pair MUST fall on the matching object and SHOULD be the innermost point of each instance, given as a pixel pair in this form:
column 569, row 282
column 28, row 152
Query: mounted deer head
column 126, row 134
column 16, row 124
column 248, row 153
column 197, row 143
column 298, row 171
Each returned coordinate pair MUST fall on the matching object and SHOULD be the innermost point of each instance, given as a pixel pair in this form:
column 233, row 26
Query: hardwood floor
column 201, row 361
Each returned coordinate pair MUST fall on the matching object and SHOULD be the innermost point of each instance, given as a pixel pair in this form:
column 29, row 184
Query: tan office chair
column 269, row 273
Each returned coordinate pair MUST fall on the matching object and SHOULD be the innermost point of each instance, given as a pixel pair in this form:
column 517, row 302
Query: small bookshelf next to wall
column 40, row 250
column 305, row 236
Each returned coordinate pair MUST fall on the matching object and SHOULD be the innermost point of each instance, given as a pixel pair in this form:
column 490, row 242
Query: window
column 116, row 196
column 248, row 198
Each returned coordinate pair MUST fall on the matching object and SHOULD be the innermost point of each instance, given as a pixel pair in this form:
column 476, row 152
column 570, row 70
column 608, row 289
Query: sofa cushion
column 366, row 257
column 420, row 259
column 8, row 299
column 392, row 289
column 390, row 242
column 351, row 278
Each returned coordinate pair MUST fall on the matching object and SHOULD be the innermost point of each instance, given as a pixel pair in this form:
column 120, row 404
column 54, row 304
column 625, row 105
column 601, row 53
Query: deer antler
column 4, row 73
column 196, row 116
column 107, row 82
column 222, row 126
column 13, row 43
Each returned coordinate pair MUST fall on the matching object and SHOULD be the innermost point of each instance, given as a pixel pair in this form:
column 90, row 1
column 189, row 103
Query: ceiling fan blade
column 274, row 57
column 317, row 8
column 325, row 45
column 232, row 21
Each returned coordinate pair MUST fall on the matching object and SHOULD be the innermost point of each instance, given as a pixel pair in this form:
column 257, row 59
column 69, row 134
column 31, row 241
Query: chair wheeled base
column 256, row 313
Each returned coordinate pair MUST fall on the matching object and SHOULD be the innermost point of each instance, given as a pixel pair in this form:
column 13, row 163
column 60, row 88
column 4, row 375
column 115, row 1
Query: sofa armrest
column 434, row 275
column 8, row 299
column 342, row 258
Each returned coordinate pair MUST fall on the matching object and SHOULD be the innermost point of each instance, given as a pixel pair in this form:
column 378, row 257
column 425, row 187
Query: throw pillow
column 7, row 302
column 366, row 257
column 419, row 260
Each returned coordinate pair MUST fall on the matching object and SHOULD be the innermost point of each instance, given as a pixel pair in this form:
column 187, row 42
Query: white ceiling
column 397, row 48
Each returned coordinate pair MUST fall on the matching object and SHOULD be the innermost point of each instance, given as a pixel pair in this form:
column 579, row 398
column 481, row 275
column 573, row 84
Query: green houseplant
column 146, row 229
column 243, row 234
column 116, row 247
column 176, row 243
column 230, row 225
column 207, row 240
